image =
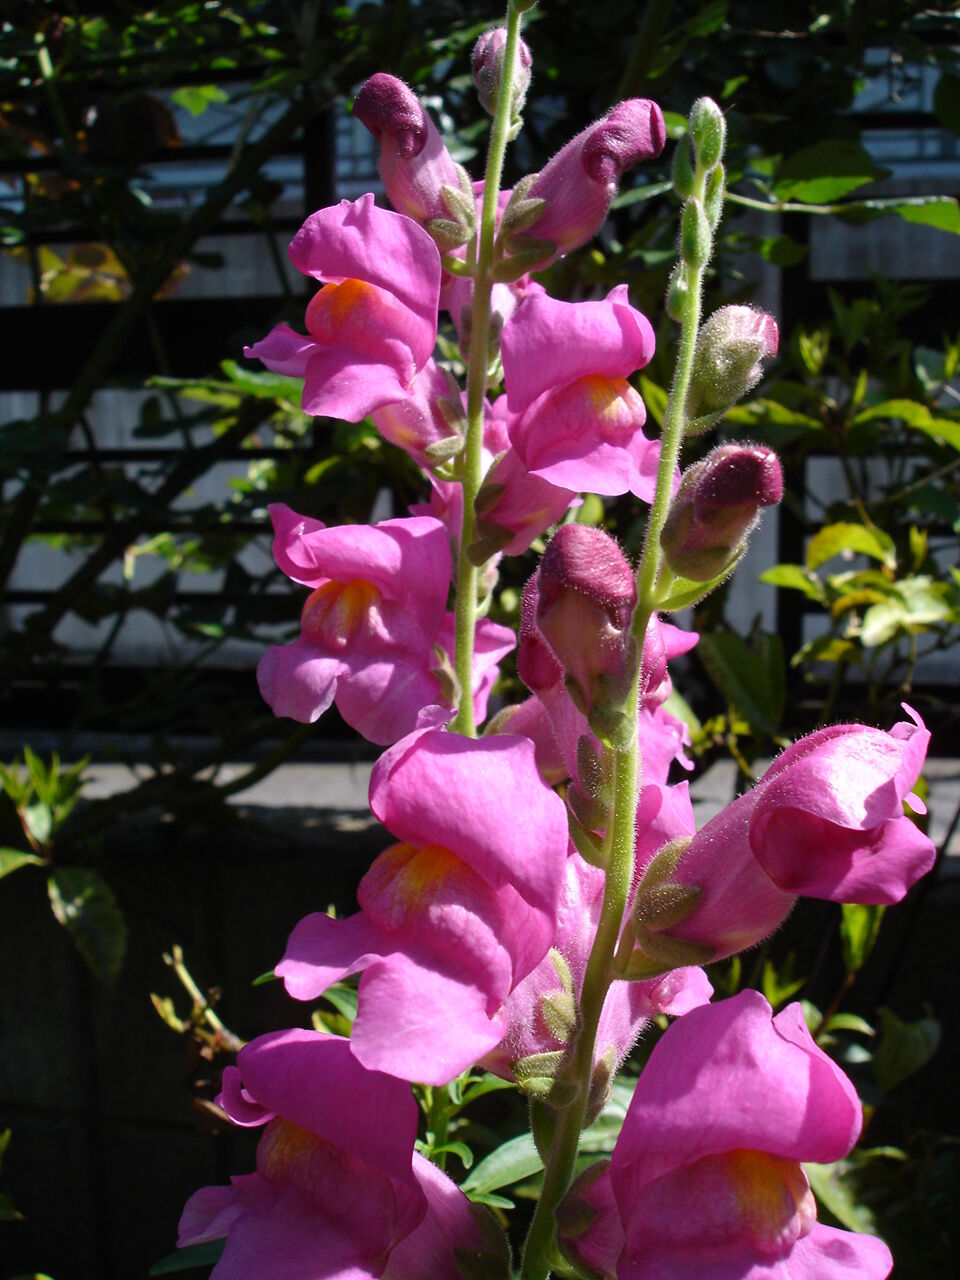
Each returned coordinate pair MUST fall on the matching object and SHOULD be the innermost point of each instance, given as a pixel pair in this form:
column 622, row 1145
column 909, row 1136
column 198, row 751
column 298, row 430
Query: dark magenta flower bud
column 420, row 176
column 487, row 65
column 587, row 596
column 726, row 363
column 579, row 183
column 716, row 506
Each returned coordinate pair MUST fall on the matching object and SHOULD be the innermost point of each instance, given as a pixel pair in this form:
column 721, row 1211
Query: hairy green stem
column 472, row 459
column 602, row 967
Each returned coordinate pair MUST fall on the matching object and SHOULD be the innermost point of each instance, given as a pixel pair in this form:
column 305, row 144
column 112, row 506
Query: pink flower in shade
column 827, row 819
column 373, row 325
column 415, row 164
column 339, row 1192
column 454, row 916
column 370, row 625
column 574, row 419
column 581, row 180
column 706, row 1176
column 540, row 1010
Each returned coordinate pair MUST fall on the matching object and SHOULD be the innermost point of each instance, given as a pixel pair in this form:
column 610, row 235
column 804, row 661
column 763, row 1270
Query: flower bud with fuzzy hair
column 486, row 63
column 716, row 507
column 726, row 363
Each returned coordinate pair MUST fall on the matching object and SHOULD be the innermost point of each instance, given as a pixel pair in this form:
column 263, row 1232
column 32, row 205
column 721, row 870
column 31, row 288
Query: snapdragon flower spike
column 541, row 1012
column 726, row 363
column 573, row 417
column 579, row 183
column 451, row 918
column 373, row 325
column 716, row 507
column 369, row 628
column 828, row 821
column 339, row 1190
column 706, row 1176
column 421, row 178
column 428, row 416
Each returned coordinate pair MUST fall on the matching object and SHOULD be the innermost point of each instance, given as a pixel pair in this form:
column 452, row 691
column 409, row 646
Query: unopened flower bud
column 581, row 180
column 487, row 66
column 678, row 290
column 708, row 130
column 714, row 195
column 696, row 238
column 726, row 363
column 420, row 176
column 716, row 506
column 683, row 175
column 586, row 600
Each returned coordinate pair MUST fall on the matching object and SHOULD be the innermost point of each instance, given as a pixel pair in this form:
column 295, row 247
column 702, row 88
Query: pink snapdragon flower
column 706, row 1179
column 454, row 916
column 828, row 818
column 579, row 183
column 574, row 419
column 339, row 1191
column 415, row 164
column 826, row 821
column 371, row 625
column 373, row 325
column 540, row 1012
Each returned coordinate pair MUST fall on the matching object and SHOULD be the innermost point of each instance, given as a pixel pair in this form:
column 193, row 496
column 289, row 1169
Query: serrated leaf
column 904, row 1047
column 194, row 1255
column 833, row 539
column 13, row 859
column 825, row 172
column 86, row 907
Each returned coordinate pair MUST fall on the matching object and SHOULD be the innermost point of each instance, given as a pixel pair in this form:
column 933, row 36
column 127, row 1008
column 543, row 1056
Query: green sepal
column 524, row 256
column 613, row 727
column 446, row 676
column 682, row 173
column 684, row 592
column 587, row 845
column 673, row 953
column 561, row 968
column 678, row 290
column 664, row 863
column 665, row 905
column 493, row 538
column 560, row 1013
column 446, row 234
column 714, row 195
column 696, row 238
column 442, row 451
column 462, row 209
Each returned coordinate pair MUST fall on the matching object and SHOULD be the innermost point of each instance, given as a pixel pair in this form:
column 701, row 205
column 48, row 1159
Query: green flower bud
column 696, row 238
column 708, row 129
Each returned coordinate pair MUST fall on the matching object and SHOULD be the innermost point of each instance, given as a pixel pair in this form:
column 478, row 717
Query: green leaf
column 838, row 1199
column 859, row 926
column 262, row 384
column 14, row 859
column 39, row 822
column 344, row 999
column 655, row 398
column 825, row 172
column 779, row 986
column 488, row 1083
column 904, row 1047
column 516, row 1159
column 195, row 98
column 194, row 1255
column 751, row 679
column 794, row 577
column 459, row 1149
column 866, row 540
column 262, row 979
column 849, row 1022
column 86, row 907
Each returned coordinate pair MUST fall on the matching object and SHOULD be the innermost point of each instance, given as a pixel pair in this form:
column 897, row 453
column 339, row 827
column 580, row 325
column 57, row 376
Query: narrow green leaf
column 194, row 1255
column 39, row 821
column 459, row 1149
column 849, row 1022
column 343, row 998
column 516, row 1159
column 14, row 859
column 86, row 907
column 747, row 682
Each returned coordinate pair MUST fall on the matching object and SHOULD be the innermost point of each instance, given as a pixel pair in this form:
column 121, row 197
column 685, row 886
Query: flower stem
column 472, row 458
column 621, row 834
